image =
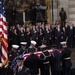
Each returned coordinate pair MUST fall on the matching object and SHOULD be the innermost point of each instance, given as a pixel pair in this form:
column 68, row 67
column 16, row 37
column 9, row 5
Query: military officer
column 23, row 49
column 32, row 45
column 43, row 46
column 56, row 66
column 13, row 53
column 45, row 61
column 21, row 69
column 32, row 62
column 66, row 59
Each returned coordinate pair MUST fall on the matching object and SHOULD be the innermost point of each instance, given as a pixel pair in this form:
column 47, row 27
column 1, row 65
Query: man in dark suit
column 56, row 66
column 34, row 33
column 66, row 60
column 21, row 69
column 66, row 30
column 70, row 36
column 32, row 62
column 58, row 35
column 66, row 27
column 48, row 35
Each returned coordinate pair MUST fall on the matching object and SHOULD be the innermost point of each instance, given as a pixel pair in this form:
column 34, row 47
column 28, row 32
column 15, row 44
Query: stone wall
column 57, row 4
column 72, row 11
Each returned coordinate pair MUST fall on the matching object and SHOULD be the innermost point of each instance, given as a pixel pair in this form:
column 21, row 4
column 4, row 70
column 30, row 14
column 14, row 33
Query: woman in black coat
column 40, row 37
column 28, row 36
column 15, row 37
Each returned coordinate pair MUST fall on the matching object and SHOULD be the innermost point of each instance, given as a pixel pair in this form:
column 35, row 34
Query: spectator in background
column 34, row 33
column 15, row 37
column 58, row 35
column 21, row 34
column 40, row 36
column 48, row 35
column 70, row 36
column 28, row 36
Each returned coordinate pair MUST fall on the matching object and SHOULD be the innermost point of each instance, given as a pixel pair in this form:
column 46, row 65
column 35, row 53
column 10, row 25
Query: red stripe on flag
column 1, row 19
column 4, row 46
column 3, row 57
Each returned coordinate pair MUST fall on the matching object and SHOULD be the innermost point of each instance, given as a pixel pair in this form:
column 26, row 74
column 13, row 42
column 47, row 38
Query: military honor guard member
column 45, row 60
column 66, row 59
column 43, row 46
column 21, row 69
column 23, row 49
column 56, row 67
column 32, row 62
column 32, row 45
column 13, row 53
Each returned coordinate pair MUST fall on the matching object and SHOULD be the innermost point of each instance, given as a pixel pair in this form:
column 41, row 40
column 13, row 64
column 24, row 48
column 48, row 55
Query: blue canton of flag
column 2, row 12
column 14, row 63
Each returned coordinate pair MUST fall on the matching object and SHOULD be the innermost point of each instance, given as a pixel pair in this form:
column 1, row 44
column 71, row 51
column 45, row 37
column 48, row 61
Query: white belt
column 46, row 62
column 67, row 58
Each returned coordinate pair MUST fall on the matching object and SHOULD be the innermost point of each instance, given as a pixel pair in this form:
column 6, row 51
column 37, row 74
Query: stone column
column 47, row 12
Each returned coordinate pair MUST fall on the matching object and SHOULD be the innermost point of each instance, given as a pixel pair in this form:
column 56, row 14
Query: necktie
column 19, row 69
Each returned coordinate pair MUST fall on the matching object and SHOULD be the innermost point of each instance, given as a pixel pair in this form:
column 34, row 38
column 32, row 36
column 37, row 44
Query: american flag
column 3, row 34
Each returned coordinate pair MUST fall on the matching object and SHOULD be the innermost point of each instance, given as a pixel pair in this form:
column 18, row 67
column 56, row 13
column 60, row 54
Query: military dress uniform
column 56, row 63
column 23, row 49
column 33, row 45
column 45, row 63
column 66, row 61
column 13, row 53
column 21, row 69
column 32, row 62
